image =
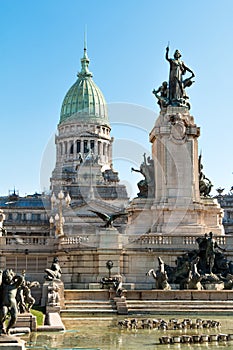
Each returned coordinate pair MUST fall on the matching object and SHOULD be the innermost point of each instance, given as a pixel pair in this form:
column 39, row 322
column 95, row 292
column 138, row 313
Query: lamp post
column 58, row 219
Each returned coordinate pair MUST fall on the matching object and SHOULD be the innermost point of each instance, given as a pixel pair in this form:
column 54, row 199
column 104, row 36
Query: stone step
column 135, row 306
column 87, row 310
column 181, row 303
column 188, row 302
column 148, row 306
column 87, row 301
column 178, row 307
column 89, row 306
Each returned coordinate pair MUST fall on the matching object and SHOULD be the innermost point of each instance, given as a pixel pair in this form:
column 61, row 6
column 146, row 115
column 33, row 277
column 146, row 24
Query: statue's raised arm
column 166, row 55
column 176, row 87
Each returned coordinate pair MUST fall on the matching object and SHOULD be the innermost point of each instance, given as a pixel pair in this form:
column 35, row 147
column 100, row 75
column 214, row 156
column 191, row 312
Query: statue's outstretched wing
column 102, row 216
column 117, row 215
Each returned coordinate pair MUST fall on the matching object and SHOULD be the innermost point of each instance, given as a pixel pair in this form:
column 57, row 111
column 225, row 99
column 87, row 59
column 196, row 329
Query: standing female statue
column 177, row 93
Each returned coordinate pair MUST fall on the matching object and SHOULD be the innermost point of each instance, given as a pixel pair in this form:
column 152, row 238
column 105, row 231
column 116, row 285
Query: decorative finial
column 85, row 60
column 85, row 38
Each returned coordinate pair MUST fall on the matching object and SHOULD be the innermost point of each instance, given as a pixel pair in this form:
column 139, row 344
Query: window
column 92, row 144
column 85, row 144
column 78, row 146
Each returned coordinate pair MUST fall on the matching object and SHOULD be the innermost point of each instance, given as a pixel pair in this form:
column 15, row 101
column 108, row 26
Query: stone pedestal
column 121, row 305
column 109, row 248
column 193, row 219
column 53, row 320
column 175, row 154
column 110, row 238
column 26, row 320
column 45, row 290
column 140, row 219
column 11, row 343
column 177, row 208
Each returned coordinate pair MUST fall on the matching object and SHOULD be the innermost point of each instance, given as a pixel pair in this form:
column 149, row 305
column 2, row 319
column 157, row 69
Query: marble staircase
column 81, row 302
column 89, row 307
column 179, row 306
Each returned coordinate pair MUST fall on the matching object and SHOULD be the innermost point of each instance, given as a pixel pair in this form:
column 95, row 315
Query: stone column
column 101, row 152
column 110, row 153
column 96, row 148
column 81, row 147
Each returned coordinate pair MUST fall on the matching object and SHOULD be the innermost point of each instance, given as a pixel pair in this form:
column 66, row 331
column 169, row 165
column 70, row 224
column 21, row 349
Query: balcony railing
column 21, row 243
column 184, row 243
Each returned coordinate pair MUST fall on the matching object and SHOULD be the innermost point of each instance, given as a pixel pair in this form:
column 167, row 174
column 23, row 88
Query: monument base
column 194, row 218
column 26, row 320
column 177, row 217
column 11, row 343
column 45, row 290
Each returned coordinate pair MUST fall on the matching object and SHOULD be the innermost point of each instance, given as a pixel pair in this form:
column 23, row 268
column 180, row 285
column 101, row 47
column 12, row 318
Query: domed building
column 83, row 166
column 84, row 179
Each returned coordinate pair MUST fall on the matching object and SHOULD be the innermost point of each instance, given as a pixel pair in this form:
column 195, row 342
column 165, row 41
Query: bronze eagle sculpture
column 108, row 219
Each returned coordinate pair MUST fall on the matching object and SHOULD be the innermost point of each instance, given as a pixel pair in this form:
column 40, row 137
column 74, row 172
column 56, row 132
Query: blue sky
column 41, row 46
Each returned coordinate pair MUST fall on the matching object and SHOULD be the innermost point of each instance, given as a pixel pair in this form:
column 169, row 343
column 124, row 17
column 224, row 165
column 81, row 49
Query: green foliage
column 39, row 312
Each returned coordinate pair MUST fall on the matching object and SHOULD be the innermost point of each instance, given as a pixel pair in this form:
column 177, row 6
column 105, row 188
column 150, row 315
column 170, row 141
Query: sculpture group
column 173, row 93
column 197, row 269
column 15, row 297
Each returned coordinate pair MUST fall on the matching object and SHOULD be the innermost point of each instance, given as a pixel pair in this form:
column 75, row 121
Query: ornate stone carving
column 178, row 128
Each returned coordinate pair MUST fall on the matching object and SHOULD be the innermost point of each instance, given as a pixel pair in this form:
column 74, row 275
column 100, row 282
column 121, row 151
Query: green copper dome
column 84, row 101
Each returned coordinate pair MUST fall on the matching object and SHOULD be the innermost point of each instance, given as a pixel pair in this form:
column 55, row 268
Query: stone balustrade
column 92, row 241
column 177, row 242
column 20, row 243
column 78, row 242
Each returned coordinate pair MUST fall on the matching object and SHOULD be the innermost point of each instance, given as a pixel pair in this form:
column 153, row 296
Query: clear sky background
column 41, row 46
